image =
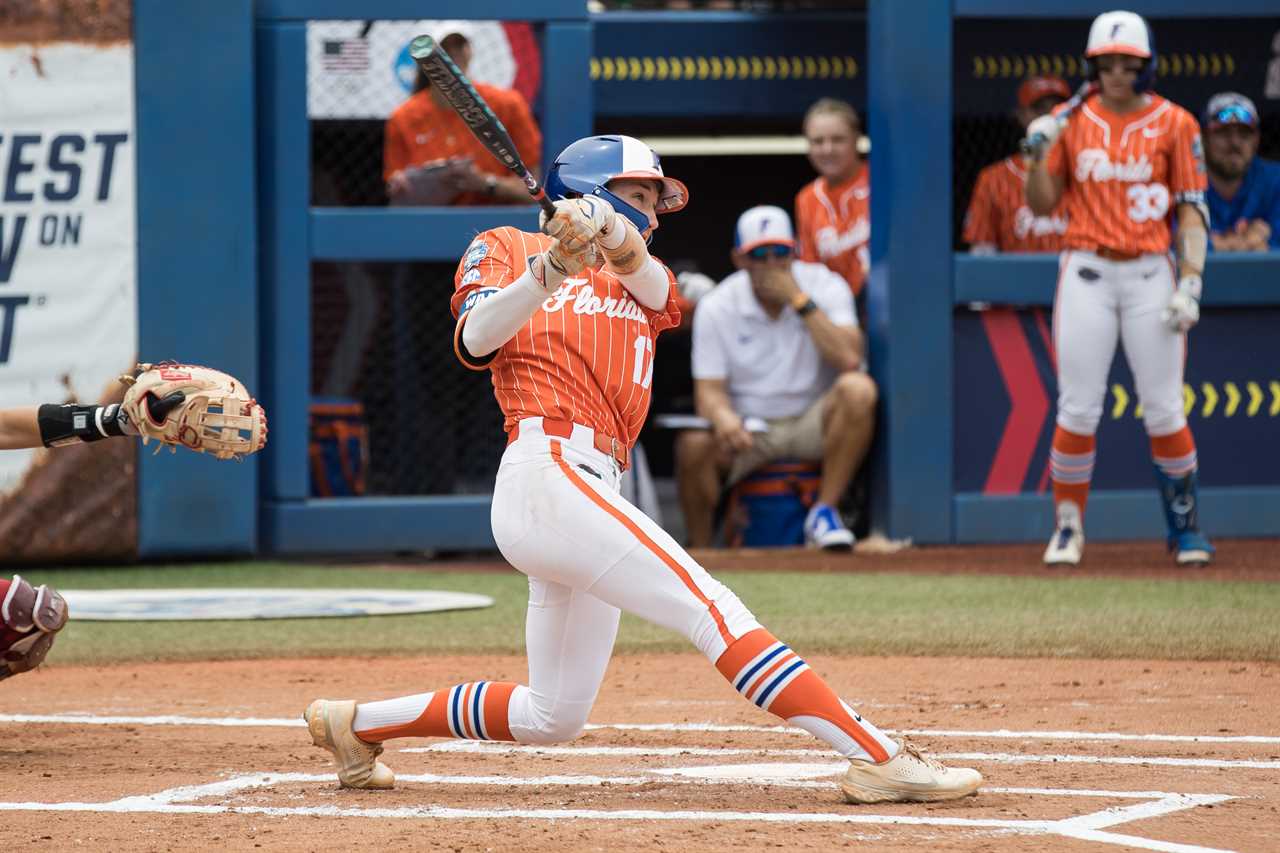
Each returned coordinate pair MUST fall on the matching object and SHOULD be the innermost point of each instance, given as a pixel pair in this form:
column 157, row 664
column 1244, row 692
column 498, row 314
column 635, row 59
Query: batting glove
column 577, row 221
column 1183, row 310
column 553, row 266
column 1042, row 133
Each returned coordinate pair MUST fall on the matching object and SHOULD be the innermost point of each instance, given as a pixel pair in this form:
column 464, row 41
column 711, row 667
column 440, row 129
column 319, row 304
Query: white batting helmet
column 1119, row 32
column 1126, row 33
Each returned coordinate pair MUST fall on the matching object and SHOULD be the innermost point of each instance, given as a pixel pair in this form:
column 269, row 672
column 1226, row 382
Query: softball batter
column 1126, row 163
column 565, row 322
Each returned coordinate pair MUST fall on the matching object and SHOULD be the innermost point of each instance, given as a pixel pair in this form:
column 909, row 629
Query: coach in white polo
column 777, row 340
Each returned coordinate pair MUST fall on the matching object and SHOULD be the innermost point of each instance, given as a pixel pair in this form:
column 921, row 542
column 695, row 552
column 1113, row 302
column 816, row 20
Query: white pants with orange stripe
column 558, row 518
column 589, row 554
column 1099, row 303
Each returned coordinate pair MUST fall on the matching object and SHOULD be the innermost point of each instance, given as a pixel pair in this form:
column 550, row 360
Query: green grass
column 872, row 614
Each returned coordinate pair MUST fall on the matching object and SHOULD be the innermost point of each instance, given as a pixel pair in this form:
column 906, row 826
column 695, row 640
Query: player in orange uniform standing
column 566, row 325
column 425, row 128
column 1126, row 162
column 998, row 219
column 833, row 212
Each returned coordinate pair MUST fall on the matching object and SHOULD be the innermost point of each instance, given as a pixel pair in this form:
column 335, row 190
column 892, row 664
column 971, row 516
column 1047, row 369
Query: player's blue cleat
column 1181, row 499
column 1191, row 548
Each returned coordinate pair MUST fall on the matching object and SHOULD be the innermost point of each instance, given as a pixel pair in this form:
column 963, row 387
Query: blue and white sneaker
column 1066, row 546
column 1191, row 548
column 824, row 529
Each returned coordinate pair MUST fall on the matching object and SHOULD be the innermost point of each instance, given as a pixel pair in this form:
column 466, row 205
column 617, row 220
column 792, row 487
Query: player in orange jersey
column 998, row 219
column 1125, row 164
column 565, row 321
column 833, row 213
column 425, row 130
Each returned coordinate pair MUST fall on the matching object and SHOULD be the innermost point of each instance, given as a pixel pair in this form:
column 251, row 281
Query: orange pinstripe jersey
column 1124, row 174
column 585, row 356
column 998, row 212
column 833, row 226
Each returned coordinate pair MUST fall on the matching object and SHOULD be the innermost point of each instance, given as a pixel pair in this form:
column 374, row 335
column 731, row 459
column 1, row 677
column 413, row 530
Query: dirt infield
column 1078, row 755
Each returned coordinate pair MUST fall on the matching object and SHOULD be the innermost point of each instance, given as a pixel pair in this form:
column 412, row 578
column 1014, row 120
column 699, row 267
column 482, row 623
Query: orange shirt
column 998, row 212
column 419, row 131
column 585, row 356
column 1125, row 174
column 833, row 226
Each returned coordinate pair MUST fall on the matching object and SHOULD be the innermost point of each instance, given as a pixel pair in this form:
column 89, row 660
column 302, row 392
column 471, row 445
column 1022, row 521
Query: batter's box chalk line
column 1091, row 826
column 88, row 719
column 713, row 752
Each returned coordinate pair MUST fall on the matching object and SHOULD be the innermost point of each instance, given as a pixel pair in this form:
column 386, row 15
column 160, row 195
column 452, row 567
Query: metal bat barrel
column 474, row 112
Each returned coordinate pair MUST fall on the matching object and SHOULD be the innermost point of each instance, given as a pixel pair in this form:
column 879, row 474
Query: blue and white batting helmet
column 588, row 164
column 1125, row 33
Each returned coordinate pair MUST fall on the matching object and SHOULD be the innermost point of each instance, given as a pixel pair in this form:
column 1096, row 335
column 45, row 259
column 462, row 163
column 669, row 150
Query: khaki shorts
column 797, row 437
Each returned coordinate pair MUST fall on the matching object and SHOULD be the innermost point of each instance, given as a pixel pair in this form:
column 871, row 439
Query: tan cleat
column 908, row 777
column 329, row 722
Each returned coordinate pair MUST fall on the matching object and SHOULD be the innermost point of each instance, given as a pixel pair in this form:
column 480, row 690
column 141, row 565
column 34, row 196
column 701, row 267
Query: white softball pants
column 1098, row 303
column 589, row 554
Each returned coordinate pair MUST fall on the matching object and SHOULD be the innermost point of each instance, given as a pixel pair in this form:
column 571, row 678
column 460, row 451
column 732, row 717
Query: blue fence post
column 284, row 186
column 568, row 107
column 909, row 296
column 197, row 252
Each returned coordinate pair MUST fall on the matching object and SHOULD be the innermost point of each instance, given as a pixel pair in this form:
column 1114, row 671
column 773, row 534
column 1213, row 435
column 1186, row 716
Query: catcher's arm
column 18, row 428
column 56, row 424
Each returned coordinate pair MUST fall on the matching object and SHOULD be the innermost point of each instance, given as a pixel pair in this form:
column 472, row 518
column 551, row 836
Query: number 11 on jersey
column 641, row 375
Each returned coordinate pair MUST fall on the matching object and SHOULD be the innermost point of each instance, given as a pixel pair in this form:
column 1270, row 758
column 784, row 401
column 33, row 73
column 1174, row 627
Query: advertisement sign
column 68, row 291
column 1006, row 392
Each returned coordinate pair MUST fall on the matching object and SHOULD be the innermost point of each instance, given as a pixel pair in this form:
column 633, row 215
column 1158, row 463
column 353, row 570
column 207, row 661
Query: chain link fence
column 358, row 72
column 382, row 336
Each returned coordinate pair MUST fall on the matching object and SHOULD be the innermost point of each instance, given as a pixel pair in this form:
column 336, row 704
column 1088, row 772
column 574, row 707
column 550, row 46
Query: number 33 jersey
column 585, row 356
column 1124, row 174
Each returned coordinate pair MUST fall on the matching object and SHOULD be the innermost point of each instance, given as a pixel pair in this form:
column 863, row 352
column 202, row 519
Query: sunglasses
column 1234, row 114
column 764, row 253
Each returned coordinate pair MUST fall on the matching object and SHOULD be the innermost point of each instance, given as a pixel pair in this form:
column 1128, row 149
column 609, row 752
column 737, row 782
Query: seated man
column 1244, row 189
column 778, row 340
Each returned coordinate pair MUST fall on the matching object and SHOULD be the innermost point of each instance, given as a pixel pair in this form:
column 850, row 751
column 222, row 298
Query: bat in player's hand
column 1038, row 141
column 466, row 101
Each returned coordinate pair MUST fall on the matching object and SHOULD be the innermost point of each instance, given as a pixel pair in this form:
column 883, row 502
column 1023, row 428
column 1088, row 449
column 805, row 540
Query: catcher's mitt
column 198, row 407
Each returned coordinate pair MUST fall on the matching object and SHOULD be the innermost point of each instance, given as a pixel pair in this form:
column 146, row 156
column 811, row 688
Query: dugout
column 270, row 232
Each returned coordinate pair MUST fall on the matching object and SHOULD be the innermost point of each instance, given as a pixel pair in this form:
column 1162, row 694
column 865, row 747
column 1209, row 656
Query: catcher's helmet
column 588, row 164
column 1126, row 33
